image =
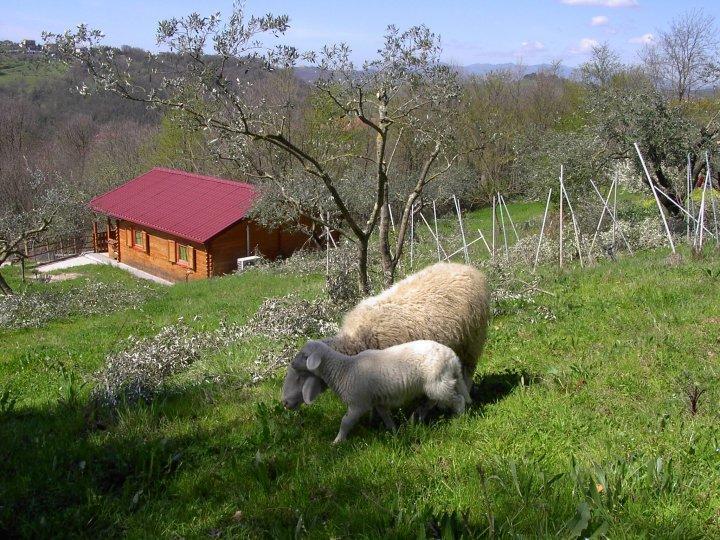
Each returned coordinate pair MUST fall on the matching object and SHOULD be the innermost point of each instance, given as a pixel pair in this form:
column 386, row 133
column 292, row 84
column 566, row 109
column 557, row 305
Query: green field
column 584, row 425
column 27, row 71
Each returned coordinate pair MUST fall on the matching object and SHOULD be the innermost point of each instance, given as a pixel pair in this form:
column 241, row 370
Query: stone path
column 99, row 258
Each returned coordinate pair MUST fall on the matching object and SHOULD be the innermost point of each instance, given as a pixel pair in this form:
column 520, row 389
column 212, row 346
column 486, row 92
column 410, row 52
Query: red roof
column 190, row 206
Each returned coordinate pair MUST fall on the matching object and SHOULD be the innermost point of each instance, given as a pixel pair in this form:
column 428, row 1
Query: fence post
column 561, row 215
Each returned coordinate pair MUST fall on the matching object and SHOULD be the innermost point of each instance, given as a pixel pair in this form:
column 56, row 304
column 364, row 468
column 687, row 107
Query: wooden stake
column 462, row 249
column 462, row 230
column 714, row 207
column 688, row 198
column 602, row 215
column 542, row 230
column 561, row 216
column 392, row 220
column 412, row 235
column 503, row 203
column 437, row 236
column 433, row 234
column 622, row 235
column 502, row 224
column 657, row 199
column 327, row 250
column 676, row 205
column 493, row 229
column 482, row 236
column 576, row 229
column 614, row 221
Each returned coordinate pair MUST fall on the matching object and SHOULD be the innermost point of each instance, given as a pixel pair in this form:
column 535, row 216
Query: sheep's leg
column 462, row 389
column 458, row 404
column 351, row 417
column 386, row 418
column 420, row 414
column 467, row 376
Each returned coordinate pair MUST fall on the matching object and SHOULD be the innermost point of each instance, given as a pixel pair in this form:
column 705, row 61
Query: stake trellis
column 542, row 229
column 657, row 199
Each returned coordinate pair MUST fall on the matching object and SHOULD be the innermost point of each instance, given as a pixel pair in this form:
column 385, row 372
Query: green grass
column 27, row 71
column 583, row 427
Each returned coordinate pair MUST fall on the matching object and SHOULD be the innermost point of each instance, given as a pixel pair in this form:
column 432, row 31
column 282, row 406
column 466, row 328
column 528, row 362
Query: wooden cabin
column 181, row 226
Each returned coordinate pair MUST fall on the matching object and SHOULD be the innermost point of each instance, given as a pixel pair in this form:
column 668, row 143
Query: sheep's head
column 300, row 385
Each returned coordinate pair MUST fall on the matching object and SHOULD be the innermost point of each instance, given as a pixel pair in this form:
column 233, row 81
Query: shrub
column 143, row 367
column 139, row 371
column 32, row 310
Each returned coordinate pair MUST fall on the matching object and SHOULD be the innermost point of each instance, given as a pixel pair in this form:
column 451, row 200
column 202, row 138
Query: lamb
column 388, row 378
column 446, row 302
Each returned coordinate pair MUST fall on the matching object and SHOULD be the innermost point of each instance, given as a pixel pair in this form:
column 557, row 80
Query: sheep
column 387, row 378
column 446, row 302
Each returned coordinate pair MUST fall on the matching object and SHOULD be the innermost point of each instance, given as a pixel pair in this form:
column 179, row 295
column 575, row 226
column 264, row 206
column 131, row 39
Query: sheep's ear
column 313, row 361
column 299, row 362
column 311, row 389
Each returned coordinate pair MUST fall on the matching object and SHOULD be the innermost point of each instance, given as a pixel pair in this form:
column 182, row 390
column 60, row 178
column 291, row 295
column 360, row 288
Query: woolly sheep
column 388, row 378
column 446, row 302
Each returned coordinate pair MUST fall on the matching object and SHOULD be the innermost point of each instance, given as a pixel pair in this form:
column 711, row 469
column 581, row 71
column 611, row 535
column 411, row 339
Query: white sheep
column 381, row 379
column 445, row 302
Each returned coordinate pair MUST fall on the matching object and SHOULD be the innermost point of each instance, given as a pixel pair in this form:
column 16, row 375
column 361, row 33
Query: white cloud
column 644, row 39
column 584, row 46
column 603, row 3
column 599, row 20
column 531, row 46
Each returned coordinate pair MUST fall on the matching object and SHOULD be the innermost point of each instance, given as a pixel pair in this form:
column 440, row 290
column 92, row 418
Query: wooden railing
column 60, row 248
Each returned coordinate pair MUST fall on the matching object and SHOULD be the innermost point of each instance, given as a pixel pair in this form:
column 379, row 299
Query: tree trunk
column 669, row 191
column 386, row 257
column 4, row 287
column 363, row 281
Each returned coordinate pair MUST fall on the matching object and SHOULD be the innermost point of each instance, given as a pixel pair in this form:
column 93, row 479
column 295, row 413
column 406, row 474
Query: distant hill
column 309, row 73
column 483, row 69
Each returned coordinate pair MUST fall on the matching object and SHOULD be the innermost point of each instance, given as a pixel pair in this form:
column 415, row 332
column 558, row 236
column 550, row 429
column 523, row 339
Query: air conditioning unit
column 244, row 262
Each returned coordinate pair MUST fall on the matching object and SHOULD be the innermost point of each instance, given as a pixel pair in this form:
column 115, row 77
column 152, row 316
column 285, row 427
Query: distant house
column 178, row 225
column 30, row 46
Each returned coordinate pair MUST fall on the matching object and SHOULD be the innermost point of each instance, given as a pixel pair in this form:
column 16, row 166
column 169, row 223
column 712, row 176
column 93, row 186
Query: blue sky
column 491, row 31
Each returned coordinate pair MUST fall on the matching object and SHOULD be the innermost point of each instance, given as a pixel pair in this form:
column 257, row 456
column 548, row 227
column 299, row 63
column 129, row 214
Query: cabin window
column 138, row 239
column 183, row 254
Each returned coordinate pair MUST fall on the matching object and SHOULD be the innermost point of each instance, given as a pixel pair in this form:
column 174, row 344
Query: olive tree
column 54, row 206
column 235, row 95
column 628, row 108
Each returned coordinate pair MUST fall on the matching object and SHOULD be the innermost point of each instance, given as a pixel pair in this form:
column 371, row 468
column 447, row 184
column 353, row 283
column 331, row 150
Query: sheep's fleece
column 388, row 378
column 446, row 302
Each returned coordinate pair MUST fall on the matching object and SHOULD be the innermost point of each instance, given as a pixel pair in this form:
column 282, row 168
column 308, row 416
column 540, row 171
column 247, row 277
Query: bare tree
column 682, row 58
column 404, row 92
column 603, row 65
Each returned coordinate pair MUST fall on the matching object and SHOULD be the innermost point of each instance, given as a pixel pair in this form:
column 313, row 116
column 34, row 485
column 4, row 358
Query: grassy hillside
column 27, row 71
column 584, row 425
